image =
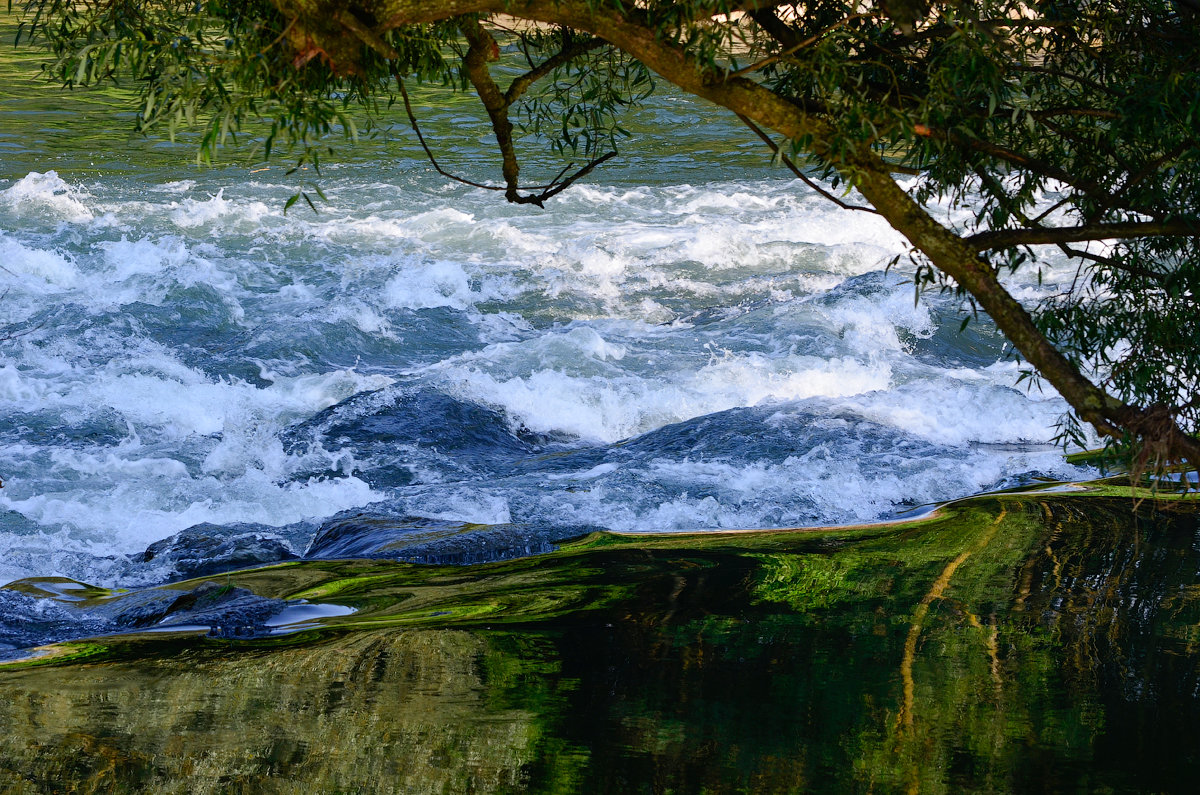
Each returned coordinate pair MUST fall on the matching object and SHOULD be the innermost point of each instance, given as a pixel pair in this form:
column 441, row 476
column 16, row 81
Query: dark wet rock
column 26, row 620
column 16, row 524
column 38, row 611
column 461, row 438
column 229, row 611
column 207, row 549
column 416, row 539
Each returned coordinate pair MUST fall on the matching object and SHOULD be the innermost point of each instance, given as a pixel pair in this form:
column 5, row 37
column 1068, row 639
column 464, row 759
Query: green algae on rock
column 1033, row 642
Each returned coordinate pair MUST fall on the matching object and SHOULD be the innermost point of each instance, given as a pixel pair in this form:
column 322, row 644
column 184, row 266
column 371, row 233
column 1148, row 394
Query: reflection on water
column 1012, row 644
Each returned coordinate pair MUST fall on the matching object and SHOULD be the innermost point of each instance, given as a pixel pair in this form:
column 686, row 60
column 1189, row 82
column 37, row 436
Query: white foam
column 597, row 471
column 216, row 210
column 126, row 259
column 957, row 412
column 36, row 270
column 190, row 404
column 614, row 312
column 134, row 513
column 15, row 388
column 48, row 193
column 585, row 395
column 815, row 487
column 431, row 285
column 197, row 450
column 871, row 324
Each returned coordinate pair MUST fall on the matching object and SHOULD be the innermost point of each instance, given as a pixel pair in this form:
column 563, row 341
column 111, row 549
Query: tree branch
column 564, row 56
column 631, row 30
column 1006, row 238
column 555, row 186
column 813, row 39
column 1008, row 156
column 482, row 49
column 367, row 36
column 787, row 161
column 412, row 119
column 1114, row 263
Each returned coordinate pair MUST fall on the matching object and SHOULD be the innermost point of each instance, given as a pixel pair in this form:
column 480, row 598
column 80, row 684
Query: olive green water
column 1037, row 643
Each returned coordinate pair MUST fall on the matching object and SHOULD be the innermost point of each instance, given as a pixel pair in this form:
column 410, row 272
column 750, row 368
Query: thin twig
column 1057, row 205
column 521, row 84
column 428, row 153
column 554, row 190
column 800, row 174
column 1113, row 262
column 278, row 38
column 765, row 62
column 548, row 190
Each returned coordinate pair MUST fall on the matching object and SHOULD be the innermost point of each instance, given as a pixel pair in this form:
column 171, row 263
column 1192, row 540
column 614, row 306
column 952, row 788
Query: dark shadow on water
column 1014, row 643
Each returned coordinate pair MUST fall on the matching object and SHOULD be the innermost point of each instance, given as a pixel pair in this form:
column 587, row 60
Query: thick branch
column 1006, row 238
column 800, row 45
column 483, row 48
column 366, row 35
column 775, row 27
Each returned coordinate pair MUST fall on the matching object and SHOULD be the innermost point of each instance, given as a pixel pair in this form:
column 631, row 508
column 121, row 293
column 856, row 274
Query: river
column 687, row 339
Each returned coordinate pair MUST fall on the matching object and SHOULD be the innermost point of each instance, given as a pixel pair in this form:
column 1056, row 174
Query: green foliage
column 217, row 66
column 577, row 109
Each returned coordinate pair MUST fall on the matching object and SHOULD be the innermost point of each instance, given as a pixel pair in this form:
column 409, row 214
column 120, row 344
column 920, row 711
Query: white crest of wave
column 178, row 402
column 196, row 451
column 48, row 193
column 430, row 285
column 964, row 407
column 147, row 269
column 216, row 211
column 18, row 389
column 428, row 229
column 136, row 511
column 471, row 505
column 813, row 487
column 572, row 383
column 871, row 324
column 41, row 272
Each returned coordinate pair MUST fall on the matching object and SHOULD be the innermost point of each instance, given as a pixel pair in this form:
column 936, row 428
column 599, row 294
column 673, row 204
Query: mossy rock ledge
column 1041, row 641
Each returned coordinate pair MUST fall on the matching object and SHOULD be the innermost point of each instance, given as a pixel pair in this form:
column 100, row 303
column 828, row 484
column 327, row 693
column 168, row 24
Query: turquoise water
column 687, row 339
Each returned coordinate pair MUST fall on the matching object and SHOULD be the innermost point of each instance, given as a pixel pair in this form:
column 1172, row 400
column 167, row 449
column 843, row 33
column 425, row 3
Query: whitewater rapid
column 728, row 354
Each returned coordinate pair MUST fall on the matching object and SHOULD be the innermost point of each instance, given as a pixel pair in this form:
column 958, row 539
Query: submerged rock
column 38, row 611
column 416, row 539
column 206, row 549
column 26, row 620
column 226, row 610
column 229, row 612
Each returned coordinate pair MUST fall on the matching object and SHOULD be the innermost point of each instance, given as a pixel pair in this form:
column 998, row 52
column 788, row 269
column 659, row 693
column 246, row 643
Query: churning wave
column 722, row 355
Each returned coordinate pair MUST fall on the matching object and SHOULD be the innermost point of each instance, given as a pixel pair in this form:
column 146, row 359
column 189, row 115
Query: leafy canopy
column 992, row 104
